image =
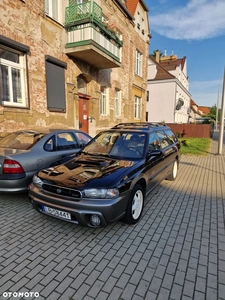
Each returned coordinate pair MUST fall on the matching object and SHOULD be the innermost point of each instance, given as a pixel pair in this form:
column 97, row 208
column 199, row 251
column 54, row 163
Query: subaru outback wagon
column 109, row 179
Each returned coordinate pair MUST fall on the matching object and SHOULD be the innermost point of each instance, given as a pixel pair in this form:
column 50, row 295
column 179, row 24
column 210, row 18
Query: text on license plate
column 56, row 212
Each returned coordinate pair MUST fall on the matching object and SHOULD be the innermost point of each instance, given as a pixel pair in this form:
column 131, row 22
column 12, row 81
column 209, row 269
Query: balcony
column 88, row 39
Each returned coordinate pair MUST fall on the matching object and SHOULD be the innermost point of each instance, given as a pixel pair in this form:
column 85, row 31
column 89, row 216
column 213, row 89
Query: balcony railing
column 86, row 33
column 81, row 11
column 83, row 23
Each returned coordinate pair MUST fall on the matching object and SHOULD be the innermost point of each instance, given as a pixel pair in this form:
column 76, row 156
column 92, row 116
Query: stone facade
column 26, row 23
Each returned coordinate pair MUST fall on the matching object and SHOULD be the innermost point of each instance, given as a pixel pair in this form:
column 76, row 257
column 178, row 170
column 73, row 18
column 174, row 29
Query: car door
column 168, row 152
column 155, row 161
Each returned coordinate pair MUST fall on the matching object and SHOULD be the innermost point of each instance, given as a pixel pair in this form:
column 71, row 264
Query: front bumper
column 108, row 210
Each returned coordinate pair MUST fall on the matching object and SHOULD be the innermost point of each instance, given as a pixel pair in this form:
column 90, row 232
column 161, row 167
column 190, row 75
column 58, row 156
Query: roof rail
column 139, row 124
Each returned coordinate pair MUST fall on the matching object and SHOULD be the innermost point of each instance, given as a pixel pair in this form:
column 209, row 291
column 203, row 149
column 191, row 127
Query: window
column 171, row 136
column 147, row 97
column 117, row 108
column 153, row 142
column 82, row 84
column 66, row 141
column 138, row 63
column 54, row 9
column 164, row 139
column 55, row 81
column 12, row 77
column 137, row 107
column 103, row 100
column 105, row 20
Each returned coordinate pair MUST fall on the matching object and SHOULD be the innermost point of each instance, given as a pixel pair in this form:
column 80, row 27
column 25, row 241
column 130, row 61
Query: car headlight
column 100, row 193
column 37, row 181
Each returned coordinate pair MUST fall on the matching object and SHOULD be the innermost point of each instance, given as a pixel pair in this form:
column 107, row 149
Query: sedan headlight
column 37, row 181
column 100, row 193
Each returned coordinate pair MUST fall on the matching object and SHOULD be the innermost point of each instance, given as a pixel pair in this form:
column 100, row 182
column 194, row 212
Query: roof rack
column 139, row 124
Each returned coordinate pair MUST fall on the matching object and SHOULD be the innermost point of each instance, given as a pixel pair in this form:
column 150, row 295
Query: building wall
column 26, row 23
column 164, row 95
column 161, row 102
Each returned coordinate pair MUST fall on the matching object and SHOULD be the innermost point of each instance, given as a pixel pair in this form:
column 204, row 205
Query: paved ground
column 177, row 251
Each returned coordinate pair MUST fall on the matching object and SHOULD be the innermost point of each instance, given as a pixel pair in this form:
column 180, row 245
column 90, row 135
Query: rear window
column 21, row 140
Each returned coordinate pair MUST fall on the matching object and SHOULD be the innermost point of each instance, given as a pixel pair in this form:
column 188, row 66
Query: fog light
column 95, row 220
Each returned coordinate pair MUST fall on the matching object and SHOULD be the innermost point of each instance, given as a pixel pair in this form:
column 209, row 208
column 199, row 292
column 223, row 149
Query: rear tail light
column 11, row 166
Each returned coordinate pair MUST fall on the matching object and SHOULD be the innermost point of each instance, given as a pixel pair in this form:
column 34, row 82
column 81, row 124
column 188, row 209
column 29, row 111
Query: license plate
column 56, row 212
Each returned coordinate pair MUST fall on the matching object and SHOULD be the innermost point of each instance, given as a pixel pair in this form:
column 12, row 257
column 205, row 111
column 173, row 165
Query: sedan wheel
column 135, row 205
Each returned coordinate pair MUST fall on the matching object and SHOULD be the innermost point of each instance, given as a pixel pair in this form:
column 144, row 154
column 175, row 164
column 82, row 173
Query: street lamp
column 221, row 132
column 217, row 106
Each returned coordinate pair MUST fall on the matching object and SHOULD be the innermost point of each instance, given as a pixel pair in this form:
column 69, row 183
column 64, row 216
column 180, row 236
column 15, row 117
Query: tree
column 213, row 111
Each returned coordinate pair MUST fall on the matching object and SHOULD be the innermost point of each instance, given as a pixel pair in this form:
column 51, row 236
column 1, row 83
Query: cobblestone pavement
column 176, row 251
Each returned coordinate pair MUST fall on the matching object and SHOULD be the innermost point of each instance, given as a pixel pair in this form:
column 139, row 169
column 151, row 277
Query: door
column 155, row 163
column 83, row 112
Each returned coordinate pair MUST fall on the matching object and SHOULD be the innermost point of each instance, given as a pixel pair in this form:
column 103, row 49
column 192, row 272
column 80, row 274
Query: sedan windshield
column 21, row 140
column 124, row 145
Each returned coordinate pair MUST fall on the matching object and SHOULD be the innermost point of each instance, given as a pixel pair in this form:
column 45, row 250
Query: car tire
column 174, row 172
column 135, row 205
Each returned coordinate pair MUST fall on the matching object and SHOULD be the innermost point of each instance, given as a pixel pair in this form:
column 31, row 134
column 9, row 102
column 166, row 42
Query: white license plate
column 56, row 212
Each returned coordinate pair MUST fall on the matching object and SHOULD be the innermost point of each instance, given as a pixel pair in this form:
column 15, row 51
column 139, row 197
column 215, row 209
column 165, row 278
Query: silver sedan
column 23, row 153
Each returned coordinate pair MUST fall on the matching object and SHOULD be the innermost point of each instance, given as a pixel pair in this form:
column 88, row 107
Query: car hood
column 89, row 171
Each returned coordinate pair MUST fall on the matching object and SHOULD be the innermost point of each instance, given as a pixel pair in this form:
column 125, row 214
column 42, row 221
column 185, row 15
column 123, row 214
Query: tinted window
column 165, row 141
column 154, row 143
column 65, row 140
column 171, row 135
column 50, row 144
column 82, row 138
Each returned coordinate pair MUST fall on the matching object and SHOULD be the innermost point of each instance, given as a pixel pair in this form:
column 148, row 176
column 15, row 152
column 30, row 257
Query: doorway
column 83, row 112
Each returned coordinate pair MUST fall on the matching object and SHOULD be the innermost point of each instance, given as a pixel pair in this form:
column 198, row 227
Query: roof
column 161, row 73
column 192, row 102
column 204, row 109
column 172, row 63
column 132, row 5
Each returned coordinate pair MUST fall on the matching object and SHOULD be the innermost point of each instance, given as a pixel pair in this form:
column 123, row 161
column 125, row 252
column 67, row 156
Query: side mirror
column 154, row 153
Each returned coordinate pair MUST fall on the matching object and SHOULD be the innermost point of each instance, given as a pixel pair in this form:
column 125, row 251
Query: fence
column 192, row 130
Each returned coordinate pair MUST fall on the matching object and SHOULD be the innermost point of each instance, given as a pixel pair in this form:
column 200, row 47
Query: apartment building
column 72, row 63
column 168, row 98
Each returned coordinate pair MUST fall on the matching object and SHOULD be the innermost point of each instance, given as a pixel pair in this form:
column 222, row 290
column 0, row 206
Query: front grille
column 62, row 191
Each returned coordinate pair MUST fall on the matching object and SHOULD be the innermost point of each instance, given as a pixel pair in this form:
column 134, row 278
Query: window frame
column 117, row 103
column 14, row 47
column 103, row 105
column 53, row 9
column 137, row 107
column 138, row 65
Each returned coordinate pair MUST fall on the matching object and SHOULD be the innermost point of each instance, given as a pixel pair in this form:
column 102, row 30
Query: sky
column 195, row 29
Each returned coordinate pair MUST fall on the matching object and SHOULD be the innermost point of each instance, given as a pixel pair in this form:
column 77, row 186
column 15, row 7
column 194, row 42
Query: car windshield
column 21, row 140
column 119, row 144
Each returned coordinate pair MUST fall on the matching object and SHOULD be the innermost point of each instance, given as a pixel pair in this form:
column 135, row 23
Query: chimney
column 157, row 56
